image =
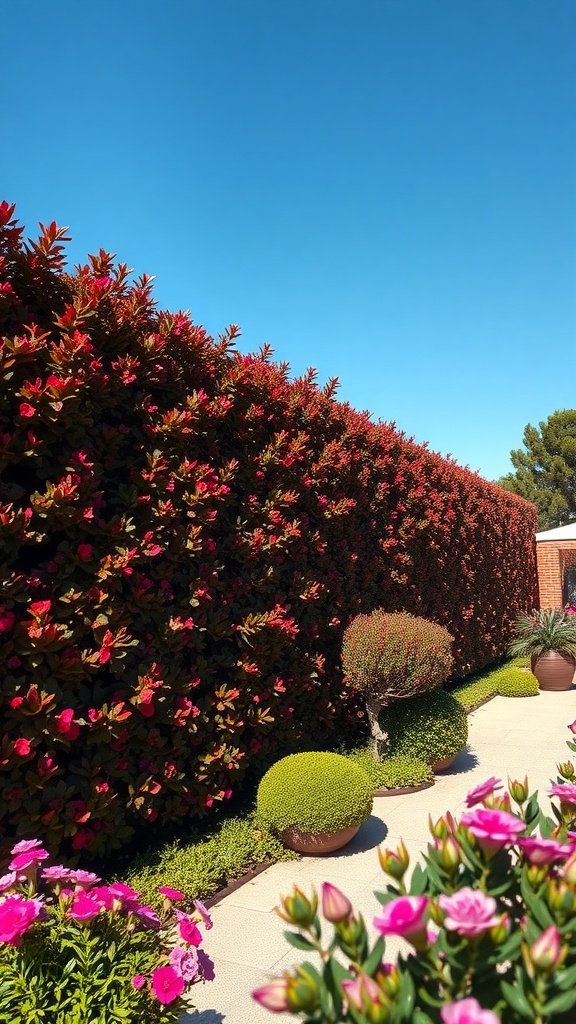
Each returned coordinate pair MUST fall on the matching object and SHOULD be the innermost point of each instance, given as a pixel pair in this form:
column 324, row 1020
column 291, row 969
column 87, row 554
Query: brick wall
column 553, row 558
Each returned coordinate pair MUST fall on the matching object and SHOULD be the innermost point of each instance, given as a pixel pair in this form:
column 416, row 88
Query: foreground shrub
column 202, row 867
column 315, row 792
column 488, row 921
column 516, row 682
column 432, row 727
column 394, row 772
column 392, row 656
column 73, row 950
column 184, row 534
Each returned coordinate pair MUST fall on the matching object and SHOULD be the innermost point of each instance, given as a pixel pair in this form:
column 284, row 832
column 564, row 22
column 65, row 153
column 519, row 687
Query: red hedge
column 184, row 535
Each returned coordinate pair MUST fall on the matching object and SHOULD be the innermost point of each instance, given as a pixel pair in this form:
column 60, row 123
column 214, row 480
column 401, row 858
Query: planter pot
column 317, row 843
column 444, row 762
column 403, row 790
column 554, row 671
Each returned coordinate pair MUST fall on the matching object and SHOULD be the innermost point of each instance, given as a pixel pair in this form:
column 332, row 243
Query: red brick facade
column 554, row 557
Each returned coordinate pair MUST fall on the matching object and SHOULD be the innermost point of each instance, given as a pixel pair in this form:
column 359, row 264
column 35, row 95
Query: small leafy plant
column 432, row 727
column 76, row 951
column 549, row 629
column 488, row 924
column 394, row 772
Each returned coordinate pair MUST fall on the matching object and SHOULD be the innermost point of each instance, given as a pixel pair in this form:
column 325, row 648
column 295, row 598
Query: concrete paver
column 508, row 736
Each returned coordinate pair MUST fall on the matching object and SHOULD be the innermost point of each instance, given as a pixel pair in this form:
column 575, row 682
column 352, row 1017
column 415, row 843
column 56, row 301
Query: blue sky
column 382, row 189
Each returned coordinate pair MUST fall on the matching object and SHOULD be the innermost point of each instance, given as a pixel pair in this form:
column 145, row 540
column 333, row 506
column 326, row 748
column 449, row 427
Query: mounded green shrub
column 471, row 694
column 432, row 727
column 396, row 655
column 316, row 792
column 394, row 772
column 515, row 682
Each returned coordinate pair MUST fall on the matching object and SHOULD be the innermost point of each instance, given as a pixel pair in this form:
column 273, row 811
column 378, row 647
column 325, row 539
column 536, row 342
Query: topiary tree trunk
column 374, row 708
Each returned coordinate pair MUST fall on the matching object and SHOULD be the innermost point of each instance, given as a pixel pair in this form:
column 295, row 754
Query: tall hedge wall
column 184, row 534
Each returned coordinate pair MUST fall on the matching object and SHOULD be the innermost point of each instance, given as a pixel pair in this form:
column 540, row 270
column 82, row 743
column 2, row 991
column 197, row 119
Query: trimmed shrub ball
column 432, row 727
column 394, row 772
column 515, row 682
column 316, row 792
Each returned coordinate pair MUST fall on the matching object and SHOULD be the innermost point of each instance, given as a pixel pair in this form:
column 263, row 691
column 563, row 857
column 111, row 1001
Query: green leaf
column 375, row 958
column 299, row 941
column 560, row 1003
column 518, row 1001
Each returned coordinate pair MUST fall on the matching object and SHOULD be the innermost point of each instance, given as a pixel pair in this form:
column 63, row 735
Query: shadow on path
column 463, row 763
column 372, row 833
column 203, row 1017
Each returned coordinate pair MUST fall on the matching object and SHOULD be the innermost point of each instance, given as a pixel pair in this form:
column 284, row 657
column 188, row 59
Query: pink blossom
column 7, row 620
column 138, row 981
column 185, row 962
column 56, row 873
column 146, row 915
column 204, row 914
column 485, row 789
column 167, row 985
column 16, row 916
column 543, row 851
column 493, row 828
column 360, row 990
column 84, row 907
column 335, row 905
column 7, row 881
column 25, row 860
column 26, row 410
column 188, row 930
column 274, row 996
column 25, row 845
column 572, row 727
column 467, row 1011
column 468, row 912
column 546, row 951
column 172, row 894
column 22, row 747
column 566, row 791
column 66, row 725
column 40, row 607
column 406, row 917
column 84, row 879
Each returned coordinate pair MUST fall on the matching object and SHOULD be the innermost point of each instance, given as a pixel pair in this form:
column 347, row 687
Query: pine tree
column 545, row 470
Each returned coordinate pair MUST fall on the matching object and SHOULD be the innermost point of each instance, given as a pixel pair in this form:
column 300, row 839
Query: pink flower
column 172, row 894
column 7, row 881
column 66, row 725
column 546, row 951
column 468, row 912
column 16, row 916
column 542, row 851
column 84, row 879
column 25, row 860
column 335, row 905
column 572, row 728
column 406, row 917
column 7, row 620
column 185, row 962
column 84, row 907
column 167, row 985
column 361, row 990
column 467, row 1011
column 189, row 932
column 138, row 981
column 26, row 410
column 485, row 789
column 25, row 845
column 22, row 747
column 273, row 997
column 566, row 791
column 493, row 828
column 56, row 873
column 147, row 915
column 201, row 909
column 40, row 607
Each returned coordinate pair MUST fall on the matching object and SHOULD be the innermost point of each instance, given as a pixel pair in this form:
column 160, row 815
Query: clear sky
column 382, row 189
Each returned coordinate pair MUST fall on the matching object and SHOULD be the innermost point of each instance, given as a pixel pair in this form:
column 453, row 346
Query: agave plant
column 550, row 629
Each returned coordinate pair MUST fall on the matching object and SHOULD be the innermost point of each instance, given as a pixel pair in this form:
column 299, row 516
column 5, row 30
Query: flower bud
column 394, row 862
column 298, row 909
column 566, row 770
column 273, row 997
column 536, row 874
column 569, row 870
column 364, row 994
column 439, row 829
column 449, row 854
column 500, row 932
column 547, row 952
column 302, row 991
column 335, row 905
column 519, row 790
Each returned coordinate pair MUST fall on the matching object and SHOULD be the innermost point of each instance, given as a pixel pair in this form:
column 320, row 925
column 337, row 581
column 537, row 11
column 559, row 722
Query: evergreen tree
column 545, row 470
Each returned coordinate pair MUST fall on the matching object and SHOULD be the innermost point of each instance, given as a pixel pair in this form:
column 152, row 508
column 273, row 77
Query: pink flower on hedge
column 493, row 828
column 22, row 747
column 467, row 1011
column 188, row 930
column 84, row 879
column 185, row 963
column 84, row 907
column 7, row 620
column 204, row 914
column 469, row 912
column 172, row 894
column 138, row 981
column 66, row 725
column 40, row 607
column 30, row 858
column 566, row 791
column 26, row 410
column 16, row 916
column 167, row 985
column 56, row 873
column 543, row 851
column 405, row 917
column 484, row 790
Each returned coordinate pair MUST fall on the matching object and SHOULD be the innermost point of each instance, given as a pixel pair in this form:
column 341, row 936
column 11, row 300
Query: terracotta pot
column 317, row 843
column 403, row 790
column 444, row 762
column 554, row 671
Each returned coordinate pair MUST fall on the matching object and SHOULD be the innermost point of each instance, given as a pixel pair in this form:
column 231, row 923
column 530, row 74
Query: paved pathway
column 511, row 736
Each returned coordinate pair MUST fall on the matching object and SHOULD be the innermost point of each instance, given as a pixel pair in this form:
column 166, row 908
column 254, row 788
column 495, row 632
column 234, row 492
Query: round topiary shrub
column 516, row 682
column 394, row 655
column 394, row 772
column 433, row 727
column 315, row 792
